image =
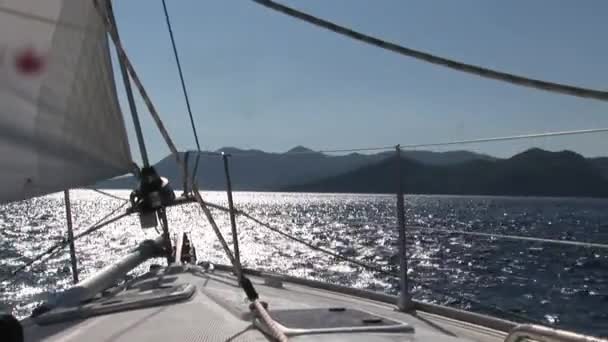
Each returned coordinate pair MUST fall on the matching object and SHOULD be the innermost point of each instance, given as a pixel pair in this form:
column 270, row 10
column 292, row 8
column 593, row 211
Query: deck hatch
column 131, row 299
column 326, row 320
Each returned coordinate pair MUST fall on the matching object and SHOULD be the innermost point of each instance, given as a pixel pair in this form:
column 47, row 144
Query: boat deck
column 188, row 303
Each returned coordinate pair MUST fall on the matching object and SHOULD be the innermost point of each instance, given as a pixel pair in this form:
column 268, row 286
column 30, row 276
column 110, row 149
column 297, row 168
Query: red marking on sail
column 29, row 63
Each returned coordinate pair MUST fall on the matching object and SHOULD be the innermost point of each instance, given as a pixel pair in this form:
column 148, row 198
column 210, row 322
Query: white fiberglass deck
column 209, row 306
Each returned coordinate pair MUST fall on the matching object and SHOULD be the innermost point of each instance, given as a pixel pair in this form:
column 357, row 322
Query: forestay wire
column 244, row 282
column 122, row 55
column 184, row 89
column 445, row 62
column 553, row 87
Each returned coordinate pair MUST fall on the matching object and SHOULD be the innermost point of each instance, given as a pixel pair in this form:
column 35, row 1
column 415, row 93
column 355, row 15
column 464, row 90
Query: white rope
column 270, row 323
column 445, row 62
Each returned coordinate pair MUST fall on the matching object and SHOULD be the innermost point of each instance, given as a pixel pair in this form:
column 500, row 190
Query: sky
column 258, row 79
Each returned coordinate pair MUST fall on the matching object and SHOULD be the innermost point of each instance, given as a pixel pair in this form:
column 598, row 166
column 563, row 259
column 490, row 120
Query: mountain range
column 534, row 172
column 256, row 170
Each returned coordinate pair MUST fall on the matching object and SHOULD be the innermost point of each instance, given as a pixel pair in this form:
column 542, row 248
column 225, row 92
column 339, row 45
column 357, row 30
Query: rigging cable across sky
column 443, row 143
column 437, row 60
column 183, row 83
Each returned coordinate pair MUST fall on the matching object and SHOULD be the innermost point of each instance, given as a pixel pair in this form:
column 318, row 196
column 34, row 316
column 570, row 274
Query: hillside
column 256, row 170
column 532, row 173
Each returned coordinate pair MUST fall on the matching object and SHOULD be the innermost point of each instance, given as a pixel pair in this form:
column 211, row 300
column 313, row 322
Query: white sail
column 60, row 122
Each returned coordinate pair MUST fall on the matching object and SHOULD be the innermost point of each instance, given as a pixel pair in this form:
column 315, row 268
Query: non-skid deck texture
column 218, row 311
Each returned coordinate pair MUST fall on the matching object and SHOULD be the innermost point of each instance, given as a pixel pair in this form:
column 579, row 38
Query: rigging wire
column 58, row 251
column 439, row 230
column 420, row 228
column 437, row 60
column 317, row 248
column 184, row 89
column 244, row 281
column 268, row 320
column 516, row 237
column 161, row 127
column 374, row 268
column 108, row 194
column 377, row 269
column 163, row 131
column 109, row 12
column 104, row 221
column 444, row 143
column 510, row 137
column 122, row 55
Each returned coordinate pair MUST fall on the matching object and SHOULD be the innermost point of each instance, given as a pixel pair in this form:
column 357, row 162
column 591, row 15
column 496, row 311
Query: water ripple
column 562, row 286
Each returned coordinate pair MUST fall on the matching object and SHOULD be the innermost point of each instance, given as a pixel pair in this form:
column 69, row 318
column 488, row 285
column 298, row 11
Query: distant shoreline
column 514, row 197
column 532, row 173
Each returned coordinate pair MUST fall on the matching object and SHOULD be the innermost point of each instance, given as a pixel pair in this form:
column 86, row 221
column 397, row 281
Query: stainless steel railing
column 545, row 334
